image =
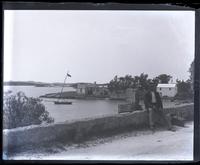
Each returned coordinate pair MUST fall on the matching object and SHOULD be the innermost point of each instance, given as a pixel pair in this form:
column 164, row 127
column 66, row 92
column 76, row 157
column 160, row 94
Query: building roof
column 85, row 85
column 166, row 85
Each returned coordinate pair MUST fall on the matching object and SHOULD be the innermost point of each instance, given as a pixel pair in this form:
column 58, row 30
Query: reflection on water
column 79, row 108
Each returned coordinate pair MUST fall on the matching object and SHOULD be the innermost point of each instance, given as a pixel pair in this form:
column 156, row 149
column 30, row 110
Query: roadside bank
column 82, row 130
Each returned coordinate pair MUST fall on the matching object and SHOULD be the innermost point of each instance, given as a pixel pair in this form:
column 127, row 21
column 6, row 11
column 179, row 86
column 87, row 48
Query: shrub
column 184, row 96
column 184, row 90
column 19, row 110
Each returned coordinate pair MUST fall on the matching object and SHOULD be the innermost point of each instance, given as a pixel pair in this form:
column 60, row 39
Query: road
column 140, row 145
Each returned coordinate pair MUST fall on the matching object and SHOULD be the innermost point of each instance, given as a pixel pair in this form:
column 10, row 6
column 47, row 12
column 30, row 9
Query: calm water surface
column 79, row 108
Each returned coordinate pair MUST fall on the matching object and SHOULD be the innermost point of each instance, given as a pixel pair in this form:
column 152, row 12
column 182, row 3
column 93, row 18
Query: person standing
column 154, row 106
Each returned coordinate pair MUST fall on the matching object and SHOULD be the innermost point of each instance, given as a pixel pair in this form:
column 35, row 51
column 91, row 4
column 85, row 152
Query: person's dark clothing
column 148, row 100
column 154, row 106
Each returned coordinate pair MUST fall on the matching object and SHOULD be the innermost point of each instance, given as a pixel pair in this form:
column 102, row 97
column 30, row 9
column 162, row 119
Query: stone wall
column 81, row 130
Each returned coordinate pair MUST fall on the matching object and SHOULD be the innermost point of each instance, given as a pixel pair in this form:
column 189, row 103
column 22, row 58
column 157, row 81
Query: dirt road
column 140, row 145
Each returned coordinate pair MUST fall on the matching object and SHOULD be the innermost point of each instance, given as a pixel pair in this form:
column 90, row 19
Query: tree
column 191, row 71
column 122, row 83
column 19, row 110
column 164, row 78
column 129, row 81
column 155, row 81
column 113, row 84
column 143, row 81
column 184, row 89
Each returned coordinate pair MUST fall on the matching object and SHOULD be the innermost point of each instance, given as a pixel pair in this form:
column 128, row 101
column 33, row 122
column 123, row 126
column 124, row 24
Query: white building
column 169, row 90
column 90, row 89
column 81, row 89
column 85, row 88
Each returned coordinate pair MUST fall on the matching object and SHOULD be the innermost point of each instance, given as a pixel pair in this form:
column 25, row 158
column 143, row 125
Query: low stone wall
column 184, row 111
column 75, row 131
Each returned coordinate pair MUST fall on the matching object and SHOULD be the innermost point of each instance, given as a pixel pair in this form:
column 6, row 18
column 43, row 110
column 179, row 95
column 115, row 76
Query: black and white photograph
column 98, row 85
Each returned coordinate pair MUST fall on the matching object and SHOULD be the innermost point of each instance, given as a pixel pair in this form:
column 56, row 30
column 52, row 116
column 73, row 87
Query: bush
column 19, row 110
column 184, row 96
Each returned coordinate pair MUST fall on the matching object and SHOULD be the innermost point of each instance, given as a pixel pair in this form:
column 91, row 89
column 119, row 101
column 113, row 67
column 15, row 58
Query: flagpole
column 63, row 86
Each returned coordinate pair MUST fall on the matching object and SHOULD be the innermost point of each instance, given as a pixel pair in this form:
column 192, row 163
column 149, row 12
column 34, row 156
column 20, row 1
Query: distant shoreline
column 42, row 84
column 36, row 84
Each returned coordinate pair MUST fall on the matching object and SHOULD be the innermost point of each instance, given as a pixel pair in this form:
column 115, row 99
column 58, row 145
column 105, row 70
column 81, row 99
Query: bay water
column 78, row 110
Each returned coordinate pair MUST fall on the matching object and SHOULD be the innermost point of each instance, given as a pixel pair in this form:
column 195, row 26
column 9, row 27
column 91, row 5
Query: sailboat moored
column 63, row 101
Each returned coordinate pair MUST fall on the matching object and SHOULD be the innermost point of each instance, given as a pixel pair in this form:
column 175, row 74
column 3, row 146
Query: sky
column 43, row 45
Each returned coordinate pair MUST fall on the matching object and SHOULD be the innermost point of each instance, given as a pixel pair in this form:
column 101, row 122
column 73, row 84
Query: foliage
column 122, row 83
column 164, row 78
column 142, row 82
column 19, row 110
column 191, row 71
column 184, row 90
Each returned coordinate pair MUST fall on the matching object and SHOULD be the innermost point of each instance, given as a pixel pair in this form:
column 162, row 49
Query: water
column 78, row 110
column 32, row 91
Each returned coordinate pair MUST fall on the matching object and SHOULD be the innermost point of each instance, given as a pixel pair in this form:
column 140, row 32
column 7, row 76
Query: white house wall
column 81, row 90
column 167, row 91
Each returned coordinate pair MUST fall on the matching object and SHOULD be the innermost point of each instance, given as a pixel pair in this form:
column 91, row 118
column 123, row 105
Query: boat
column 63, row 101
column 41, row 85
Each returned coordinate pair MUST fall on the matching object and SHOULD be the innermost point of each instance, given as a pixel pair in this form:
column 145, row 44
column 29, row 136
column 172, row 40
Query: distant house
column 169, row 90
column 89, row 89
column 85, row 88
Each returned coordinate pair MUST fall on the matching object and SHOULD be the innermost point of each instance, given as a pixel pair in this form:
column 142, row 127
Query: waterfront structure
column 167, row 90
column 128, row 95
column 92, row 89
column 84, row 88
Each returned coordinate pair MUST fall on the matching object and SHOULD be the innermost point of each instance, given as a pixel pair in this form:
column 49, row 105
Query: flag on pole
column 69, row 75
